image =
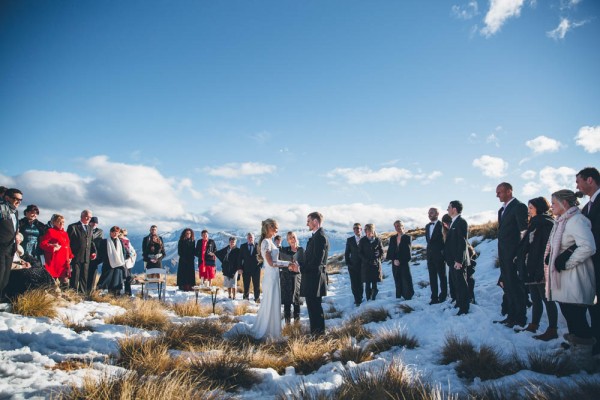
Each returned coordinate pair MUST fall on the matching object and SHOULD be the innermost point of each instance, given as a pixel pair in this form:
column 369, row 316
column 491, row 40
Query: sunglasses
column 17, row 199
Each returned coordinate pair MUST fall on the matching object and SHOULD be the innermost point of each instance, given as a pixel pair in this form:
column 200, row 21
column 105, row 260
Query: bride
column 268, row 319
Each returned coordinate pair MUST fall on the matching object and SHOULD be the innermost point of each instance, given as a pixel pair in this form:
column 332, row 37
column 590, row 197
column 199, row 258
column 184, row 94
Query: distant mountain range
column 337, row 244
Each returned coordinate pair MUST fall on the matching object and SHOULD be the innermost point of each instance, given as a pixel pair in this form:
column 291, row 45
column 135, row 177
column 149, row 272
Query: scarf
column 115, row 254
column 553, row 249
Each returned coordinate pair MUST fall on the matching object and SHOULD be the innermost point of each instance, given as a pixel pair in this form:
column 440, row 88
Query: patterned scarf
column 553, row 248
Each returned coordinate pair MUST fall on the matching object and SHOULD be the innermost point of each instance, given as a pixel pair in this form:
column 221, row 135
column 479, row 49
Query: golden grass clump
column 489, row 230
column 393, row 382
column 352, row 328
column 405, row 308
column 144, row 355
column 369, row 315
column 194, row 334
column 269, row 358
column 455, row 348
column 309, row 354
column 35, row 303
column 125, row 302
column 550, row 364
column 130, row 385
column 348, row 350
column 241, row 309
column 171, row 279
column 144, row 314
column 229, row 370
column 332, row 312
column 71, row 364
column 385, row 339
column 77, row 326
column 295, row 330
column 191, row 309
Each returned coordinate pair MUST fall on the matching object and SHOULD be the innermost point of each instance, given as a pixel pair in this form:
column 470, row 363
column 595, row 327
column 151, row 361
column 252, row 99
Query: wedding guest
column 113, row 253
column 145, row 241
column 229, row 256
column 153, row 252
column 277, row 241
column 371, row 254
column 398, row 253
column 530, row 260
column 84, row 250
column 9, row 218
column 205, row 251
column 186, row 249
column 352, row 259
column 435, row 258
column 248, row 263
column 446, row 221
column 97, row 237
column 32, row 231
column 456, row 255
column 571, row 280
column 26, row 273
column 129, row 262
column 290, row 280
column 57, row 250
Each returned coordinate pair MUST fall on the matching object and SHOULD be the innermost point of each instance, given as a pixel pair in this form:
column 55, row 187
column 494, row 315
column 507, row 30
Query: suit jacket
column 435, row 242
column 455, row 248
column 97, row 237
column 247, row 260
column 314, row 277
column 145, row 252
column 400, row 252
column 510, row 225
column 8, row 233
column 371, row 254
column 82, row 244
column 352, row 255
column 594, row 217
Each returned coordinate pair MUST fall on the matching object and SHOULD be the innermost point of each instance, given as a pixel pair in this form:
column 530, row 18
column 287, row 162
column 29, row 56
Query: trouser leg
column 315, row 315
column 356, row 284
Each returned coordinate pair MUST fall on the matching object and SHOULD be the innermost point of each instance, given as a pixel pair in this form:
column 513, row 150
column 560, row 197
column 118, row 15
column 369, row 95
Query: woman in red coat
column 57, row 249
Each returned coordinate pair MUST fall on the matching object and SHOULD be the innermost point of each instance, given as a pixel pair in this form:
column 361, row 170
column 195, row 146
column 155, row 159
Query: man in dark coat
column 97, row 236
column 84, row 250
column 248, row 263
column 352, row 258
column 456, row 255
column 399, row 254
column 435, row 258
column 9, row 220
column 588, row 182
column 512, row 221
column 229, row 257
column 314, row 277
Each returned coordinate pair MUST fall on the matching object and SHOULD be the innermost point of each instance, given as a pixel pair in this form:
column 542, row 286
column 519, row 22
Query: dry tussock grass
column 352, row 328
column 309, row 354
column 35, row 303
column 303, row 392
column 148, row 315
column 171, row 280
column 266, row 359
column 348, row 350
column 385, row 339
column 241, row 309
column 194, row 334
column 549, row 364
column 405, row 308
column 77, row 326
column 332, row 312
column 125, row 302
column 334, row 264
column 145, row 355
column 191, row 309
column 455, row 348
column 582, row 389
column 72, row 364
column 394, row 381
column 226, row 369
column 133, row 386
column 70, row 295
column 295, row 330
column 369, row 315
column 489, row 230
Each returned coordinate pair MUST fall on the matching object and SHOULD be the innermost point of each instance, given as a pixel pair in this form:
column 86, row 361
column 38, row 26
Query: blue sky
column 222, row 113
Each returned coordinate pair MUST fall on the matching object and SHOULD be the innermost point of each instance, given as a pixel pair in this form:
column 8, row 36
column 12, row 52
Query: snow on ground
column 30, row 347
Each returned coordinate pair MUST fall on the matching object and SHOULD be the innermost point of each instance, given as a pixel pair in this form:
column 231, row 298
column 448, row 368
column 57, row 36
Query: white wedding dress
column 268, row 319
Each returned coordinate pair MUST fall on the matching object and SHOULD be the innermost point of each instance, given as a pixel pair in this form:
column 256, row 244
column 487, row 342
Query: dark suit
column 435, row 262
column 352, row 258
column 594, row 216
column 97, row 237
column 83, row 247
column 510, row 225
column 456, row 250
column 314, row 279
column 249, row 264
column 402, row 277
column 8, row 234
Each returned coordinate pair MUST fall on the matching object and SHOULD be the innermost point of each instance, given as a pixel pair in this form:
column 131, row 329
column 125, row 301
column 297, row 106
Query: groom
column 314, row 278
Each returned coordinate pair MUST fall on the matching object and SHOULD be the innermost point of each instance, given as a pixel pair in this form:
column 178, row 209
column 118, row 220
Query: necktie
column 589, row 206
column 250, row 248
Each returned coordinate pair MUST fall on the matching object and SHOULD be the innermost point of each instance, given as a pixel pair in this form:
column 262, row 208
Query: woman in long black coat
column 530, row 261
column 186, row 249
column 290, row 281
column 399, row 254
column 371, row 254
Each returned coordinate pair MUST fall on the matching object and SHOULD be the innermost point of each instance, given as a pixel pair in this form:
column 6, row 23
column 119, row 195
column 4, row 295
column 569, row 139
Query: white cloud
column 564, row 26
column 531, row 189
column 543, row 144
column 588, row 137
column 362, row 175
column 528, row 175
column 492, row 138
column 237, row 170
column 499, row 12
column 553, row 179
column 494, row 167
column 466, row 11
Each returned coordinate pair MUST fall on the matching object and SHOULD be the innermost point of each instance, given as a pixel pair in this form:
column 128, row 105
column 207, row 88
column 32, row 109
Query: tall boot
column 551, row 333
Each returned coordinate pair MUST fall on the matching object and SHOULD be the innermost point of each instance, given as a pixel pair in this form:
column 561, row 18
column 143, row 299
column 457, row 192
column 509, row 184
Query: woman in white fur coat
column 569, row 271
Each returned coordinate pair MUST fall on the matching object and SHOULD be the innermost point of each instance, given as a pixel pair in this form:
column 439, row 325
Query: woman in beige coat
column 570, row 271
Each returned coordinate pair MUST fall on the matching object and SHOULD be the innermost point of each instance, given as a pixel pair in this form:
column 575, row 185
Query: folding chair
column 160, row 281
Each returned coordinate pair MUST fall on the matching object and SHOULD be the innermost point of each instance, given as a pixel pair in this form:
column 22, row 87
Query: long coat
column 185, row 270
column 371, row 254
column 57, row 262
column 82, row 243
column 314, row 276
column 229, row 262
column 290, row 281
column 577, row 281
column 530, row 257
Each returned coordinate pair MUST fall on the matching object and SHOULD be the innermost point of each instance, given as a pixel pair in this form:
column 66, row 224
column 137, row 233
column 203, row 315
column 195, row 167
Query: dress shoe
column 257, row 301
column 548, row 335
column 434, row 302
column 503, row 321
column 462, row 313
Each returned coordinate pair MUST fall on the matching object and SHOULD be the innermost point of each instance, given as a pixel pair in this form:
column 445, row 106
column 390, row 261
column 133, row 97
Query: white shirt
column 593, row 197
column 432, row 227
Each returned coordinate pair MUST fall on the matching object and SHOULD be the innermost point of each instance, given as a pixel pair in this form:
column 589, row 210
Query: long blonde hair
column 264, row 230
